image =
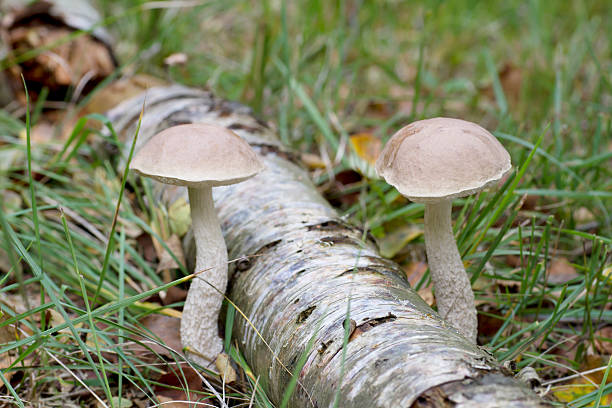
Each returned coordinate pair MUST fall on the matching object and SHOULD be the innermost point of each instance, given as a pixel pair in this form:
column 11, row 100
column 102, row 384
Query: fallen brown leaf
column 180, row 383
column 427, row 295
column 490, row 321
column 145, row 243
column 415, row 271
column 166, row 261
column 603, row 340
column 226, row 371
column 560, row 270
column 511, row 79
column 119, row 91
column 173, row 295
column 167, row 329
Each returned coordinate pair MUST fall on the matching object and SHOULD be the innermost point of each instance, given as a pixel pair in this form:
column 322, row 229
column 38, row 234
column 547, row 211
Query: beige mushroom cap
column 442, row 158
column 197, row 155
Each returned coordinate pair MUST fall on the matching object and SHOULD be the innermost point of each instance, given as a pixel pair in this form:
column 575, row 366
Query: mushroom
column 200, row 157
column 432, row 162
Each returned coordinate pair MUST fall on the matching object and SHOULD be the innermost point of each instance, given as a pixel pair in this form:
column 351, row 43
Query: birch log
column 303, row 267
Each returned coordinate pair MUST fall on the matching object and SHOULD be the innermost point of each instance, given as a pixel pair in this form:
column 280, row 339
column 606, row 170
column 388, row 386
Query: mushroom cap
column 197, row 155
column 442, row 158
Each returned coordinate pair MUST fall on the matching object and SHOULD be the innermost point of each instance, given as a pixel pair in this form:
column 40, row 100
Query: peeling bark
column 303, row 264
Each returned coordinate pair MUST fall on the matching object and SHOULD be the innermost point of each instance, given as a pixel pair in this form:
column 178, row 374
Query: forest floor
column 336, row 79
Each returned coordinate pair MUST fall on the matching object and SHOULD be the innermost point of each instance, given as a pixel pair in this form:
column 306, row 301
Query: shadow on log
column 302, row 265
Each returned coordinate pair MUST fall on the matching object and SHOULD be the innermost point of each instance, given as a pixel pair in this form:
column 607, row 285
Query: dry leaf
column 174, row 294
column 427, row 295
column 511, row 79
column 40, row 133
column 179, row 217
column 581, row 386
column 119, row 91
column 560, row 270
column 5, row 261
column 168, row 402
column 383, row 109
column 226, row 371
column 603, row 340
column 166, row 261
column 184, row 379
column 312, row 161
column 583, row 215
column 513, row 261
column 393, row 242
column 178, row 58
column 489, row 322
column 145, row 243
column 167, row 329
column 415, row 271
column 366, row 148
column 336, row 193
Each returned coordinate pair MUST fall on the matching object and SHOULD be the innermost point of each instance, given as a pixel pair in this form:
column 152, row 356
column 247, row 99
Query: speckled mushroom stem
column 199, row 326
column 454, row 295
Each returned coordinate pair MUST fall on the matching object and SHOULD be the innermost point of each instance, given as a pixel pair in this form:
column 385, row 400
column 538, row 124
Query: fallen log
column 302, row 268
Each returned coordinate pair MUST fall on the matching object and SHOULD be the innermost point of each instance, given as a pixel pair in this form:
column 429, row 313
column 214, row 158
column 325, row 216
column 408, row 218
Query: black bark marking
column 262, row 123
column 266, row 149
column 361, row 269
column 324, row 346
column 243, row 264
column 327, row 226
column 304, row 314
column 224, row 111
column 380, row 362
column 268, row 246
column 240, row 126
column 337, row 239
column 370, row 324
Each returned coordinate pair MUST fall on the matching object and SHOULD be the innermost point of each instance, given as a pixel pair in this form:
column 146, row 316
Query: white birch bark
column 304, row 264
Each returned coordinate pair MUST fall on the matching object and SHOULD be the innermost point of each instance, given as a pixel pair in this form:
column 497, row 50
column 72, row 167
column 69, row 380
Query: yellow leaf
column 366, row 146
column 581, row 386
column 396, row 240
column 179, row 217
column 577, row 389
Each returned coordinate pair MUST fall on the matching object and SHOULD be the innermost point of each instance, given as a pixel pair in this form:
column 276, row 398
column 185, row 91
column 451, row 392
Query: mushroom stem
column 199, row 326
column 454, row 295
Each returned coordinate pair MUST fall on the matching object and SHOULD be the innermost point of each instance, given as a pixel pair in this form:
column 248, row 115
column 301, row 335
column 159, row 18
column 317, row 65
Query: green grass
column 322, row 71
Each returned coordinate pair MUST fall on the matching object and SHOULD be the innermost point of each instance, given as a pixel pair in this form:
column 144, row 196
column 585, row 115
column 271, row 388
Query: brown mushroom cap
column 442, row 158
column 197, row 155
